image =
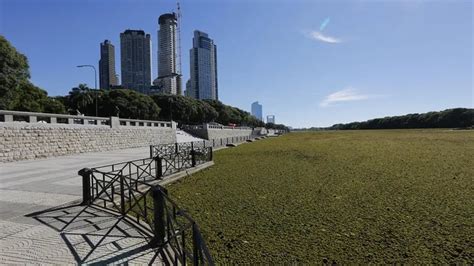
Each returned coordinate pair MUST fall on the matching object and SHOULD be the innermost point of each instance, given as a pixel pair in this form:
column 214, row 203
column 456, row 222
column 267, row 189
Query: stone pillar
column 8, row 118
column 114, row 122
column 86, row 185
column 32, row 119
column 53, row 120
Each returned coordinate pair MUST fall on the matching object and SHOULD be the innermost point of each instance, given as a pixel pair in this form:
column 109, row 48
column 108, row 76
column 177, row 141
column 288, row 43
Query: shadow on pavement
column 96, row 236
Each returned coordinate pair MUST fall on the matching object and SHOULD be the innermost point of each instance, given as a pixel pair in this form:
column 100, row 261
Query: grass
column 394, row 196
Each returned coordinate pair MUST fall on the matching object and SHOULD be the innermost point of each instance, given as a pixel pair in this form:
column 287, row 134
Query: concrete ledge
column 177, row 176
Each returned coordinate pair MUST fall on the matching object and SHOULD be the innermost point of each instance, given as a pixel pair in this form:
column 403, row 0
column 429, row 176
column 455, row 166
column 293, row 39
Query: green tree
column 128, row 104
column 16, row 91
column 184, row 110
column 14, row 71
column 82, row 99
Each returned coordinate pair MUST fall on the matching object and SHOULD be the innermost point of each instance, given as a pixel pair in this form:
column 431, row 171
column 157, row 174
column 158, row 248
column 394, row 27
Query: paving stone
column 33, row 186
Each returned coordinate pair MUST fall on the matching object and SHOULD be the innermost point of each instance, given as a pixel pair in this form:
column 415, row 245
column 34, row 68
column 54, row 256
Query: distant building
column 169, row 78
column 135, row 48
column 271, row 119
column 188, row 92
column 203, row 66
column 257, row 111
column 107, row 75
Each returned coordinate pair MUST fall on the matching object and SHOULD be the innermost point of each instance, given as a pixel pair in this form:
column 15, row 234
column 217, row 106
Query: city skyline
column 371, row 59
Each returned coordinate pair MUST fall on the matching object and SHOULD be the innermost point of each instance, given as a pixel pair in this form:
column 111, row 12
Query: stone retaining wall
column 228, row 133
column 218, row 133
column 22, row 141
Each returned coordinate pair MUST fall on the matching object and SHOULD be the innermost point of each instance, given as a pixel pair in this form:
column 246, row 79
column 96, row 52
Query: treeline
column 132, row 104
column 449, row 118
column 18, row 93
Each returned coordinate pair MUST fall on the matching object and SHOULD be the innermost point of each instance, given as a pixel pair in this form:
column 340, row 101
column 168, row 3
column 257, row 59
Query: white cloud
column 345, row 95
column 319, row 36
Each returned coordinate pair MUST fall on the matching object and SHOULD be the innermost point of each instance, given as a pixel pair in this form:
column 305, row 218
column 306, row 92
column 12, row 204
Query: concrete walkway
column 54, row 237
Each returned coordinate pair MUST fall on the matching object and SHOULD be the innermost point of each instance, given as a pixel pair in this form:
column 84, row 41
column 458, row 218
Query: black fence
column 162, row 150
column 125, row 188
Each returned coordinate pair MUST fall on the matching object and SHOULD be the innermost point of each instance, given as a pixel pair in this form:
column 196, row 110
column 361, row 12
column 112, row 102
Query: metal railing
column 127, row 188
column 213, row 126
column 198, row 146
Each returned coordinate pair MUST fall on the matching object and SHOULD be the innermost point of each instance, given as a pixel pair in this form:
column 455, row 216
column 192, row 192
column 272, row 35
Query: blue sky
column 371, row 59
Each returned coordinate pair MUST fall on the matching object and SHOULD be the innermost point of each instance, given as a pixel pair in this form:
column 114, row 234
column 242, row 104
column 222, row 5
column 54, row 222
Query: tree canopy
column 184, row 110
column 16, row 91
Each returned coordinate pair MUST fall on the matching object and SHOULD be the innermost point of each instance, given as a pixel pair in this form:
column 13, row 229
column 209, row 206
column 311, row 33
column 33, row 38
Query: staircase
column 182, row 136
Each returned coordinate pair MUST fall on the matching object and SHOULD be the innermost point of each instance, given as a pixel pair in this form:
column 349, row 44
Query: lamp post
column 95, row 79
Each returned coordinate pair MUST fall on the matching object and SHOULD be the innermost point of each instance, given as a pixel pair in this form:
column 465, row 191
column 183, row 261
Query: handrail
column 22, row 113
column 73, row 119
column 210, row 126
column 125, row 188
column 160, row 149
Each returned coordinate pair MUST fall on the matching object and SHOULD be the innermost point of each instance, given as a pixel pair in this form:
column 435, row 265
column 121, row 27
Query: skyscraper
column 271, row 119
column 257, row 111
column 169, row 78
column 107, row 74
column 135, row 48
column 203, row 67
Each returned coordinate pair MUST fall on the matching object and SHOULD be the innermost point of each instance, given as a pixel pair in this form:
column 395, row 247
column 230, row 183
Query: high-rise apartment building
column 203, row 67
column 107, row 74
column 135, row 48
column 169, row 76
column 271, row 119
column 257, row 111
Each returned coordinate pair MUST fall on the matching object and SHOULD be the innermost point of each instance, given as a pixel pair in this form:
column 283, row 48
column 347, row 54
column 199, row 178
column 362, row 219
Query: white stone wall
column 226, row 133
column 22, row 141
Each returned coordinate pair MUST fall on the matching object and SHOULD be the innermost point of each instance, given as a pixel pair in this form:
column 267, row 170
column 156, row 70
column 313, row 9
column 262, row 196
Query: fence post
column 193, row 158
column 204, row 143
column 122, row 195
column 195, row 246
column 213, row 143
column 158, row 216
column 211, row 154
column 158, row 167
column 151, row 151
column 176, row 147
column 86, row 185
column 8, row 118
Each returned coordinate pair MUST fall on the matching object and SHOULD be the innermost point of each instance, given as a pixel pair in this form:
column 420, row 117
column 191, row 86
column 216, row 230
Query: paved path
column 93, row 237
